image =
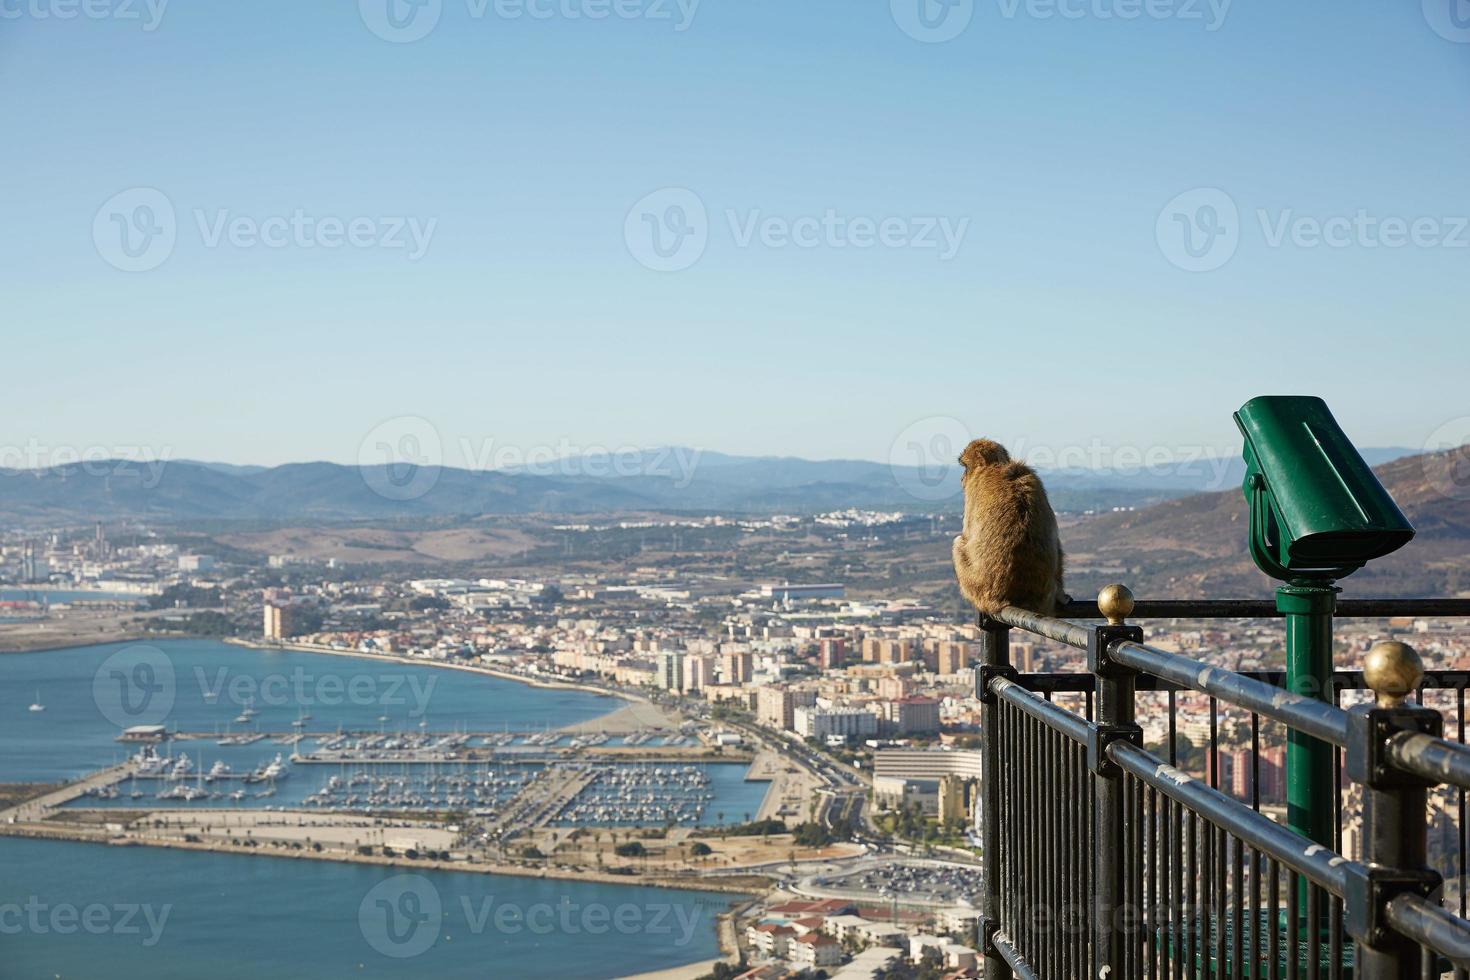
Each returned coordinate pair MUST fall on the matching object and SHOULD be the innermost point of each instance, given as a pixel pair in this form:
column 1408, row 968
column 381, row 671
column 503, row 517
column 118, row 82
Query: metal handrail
column 1321, row 865
column 1430, row 757
column 1431, row 926
column 1058, row 719
column 1048, row 626
column 1308, row 715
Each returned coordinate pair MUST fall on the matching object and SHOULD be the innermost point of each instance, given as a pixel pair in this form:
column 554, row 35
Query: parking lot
column 904, row 880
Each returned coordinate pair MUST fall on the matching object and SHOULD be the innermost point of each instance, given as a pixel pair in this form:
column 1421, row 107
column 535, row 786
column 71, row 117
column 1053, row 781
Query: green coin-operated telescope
column 1317, row 513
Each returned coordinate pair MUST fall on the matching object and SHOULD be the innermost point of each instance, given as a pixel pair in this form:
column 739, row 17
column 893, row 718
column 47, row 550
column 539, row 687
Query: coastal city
column 807, row 749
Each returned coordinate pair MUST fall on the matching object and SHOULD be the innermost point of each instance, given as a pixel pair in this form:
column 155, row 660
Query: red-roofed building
column 770, row 939
column 813, row 950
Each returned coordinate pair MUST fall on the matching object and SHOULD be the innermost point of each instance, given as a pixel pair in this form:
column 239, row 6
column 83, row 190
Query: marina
column 557, row 791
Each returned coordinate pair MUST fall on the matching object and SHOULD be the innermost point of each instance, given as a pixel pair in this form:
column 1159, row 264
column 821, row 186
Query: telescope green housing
column 1317, row 511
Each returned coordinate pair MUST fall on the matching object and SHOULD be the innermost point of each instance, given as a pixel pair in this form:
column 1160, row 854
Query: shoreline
column 507, row 675
column 38, row 832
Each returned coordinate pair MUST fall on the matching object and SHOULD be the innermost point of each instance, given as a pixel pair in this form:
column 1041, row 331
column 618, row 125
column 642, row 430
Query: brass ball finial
column 1115, row 602
column 1393, row 670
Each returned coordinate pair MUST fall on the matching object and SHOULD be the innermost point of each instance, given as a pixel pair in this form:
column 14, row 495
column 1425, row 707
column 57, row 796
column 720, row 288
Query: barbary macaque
column 1008, row 552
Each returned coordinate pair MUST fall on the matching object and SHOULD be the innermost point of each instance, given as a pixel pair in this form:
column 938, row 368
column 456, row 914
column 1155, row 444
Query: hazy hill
column 1196, row 546
column 662, row 480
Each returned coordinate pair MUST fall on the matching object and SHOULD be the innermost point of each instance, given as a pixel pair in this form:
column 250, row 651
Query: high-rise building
column 669, row 670
column 953, row 656
column 699, row 671
column 831, row 652
column 277, row 621
column 775, row 707
column 737, row 667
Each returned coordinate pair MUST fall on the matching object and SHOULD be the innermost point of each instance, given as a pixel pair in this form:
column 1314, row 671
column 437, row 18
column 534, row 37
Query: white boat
column 37, row 705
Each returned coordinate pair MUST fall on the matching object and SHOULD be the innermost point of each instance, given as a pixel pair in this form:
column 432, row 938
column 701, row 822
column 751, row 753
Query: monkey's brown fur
column 1008, row 552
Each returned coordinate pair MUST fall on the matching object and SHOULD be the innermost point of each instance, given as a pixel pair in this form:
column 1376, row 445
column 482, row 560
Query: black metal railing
column 1105, row 859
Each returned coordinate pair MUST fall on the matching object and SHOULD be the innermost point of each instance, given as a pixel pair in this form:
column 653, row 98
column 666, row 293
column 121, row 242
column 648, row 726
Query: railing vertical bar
column 1189, row 908
column 1334, row 938
column 1151, row 886
column 1137, row 866
column 1313, row 930
column 1055, row 803
column 1273, row 902
column 1217, row 875
column 1255, row 912
column 1460, row 727
column 1237, row 908
column 994, row 730
column 1176, row 887
column 1028, row 909
column 1293, row 922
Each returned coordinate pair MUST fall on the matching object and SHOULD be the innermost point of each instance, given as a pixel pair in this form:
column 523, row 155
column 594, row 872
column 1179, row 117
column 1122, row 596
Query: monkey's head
column 983, row 452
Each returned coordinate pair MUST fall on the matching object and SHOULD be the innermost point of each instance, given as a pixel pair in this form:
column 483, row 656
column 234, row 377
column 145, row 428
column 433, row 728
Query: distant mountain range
column 1195, row 546
column 661, row 480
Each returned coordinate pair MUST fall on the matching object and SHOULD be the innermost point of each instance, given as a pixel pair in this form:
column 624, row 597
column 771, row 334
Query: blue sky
column 1066, row 147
